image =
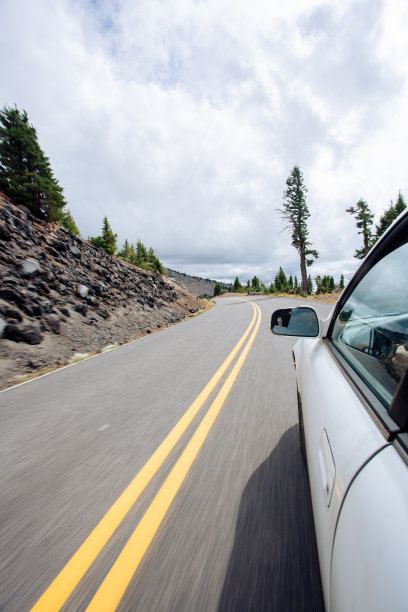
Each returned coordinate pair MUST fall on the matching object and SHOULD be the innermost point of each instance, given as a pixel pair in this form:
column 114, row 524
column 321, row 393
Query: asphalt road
column 111, row 498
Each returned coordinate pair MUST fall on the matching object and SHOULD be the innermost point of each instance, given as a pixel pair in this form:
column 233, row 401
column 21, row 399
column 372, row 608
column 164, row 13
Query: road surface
column 164, row 475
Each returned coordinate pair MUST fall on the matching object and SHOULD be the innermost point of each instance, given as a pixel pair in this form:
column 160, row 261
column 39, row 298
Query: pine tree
column 295, row 213
column 281, row 282
column 141, row 254
column 389, row 216
column 309, row 285
column 237, row 285
column 400, row 204
column 25, row 172
column 150, row 255
column 255, row 284
column 341, row 283
column 364, row 220
column 68, row 222
column 154, row 262
column 108, row 239
column 290, row 283
column 126, row 252
column 217, row 289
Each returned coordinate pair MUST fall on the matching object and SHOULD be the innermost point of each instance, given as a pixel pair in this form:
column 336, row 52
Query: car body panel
column 372, row 517
column 351, row 433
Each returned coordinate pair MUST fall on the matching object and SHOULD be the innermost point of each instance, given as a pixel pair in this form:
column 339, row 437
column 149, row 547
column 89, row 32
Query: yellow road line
column 65, row 582
column 112, row 589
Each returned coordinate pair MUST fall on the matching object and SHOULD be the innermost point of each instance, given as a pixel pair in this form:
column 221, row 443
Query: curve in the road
column 113, row 587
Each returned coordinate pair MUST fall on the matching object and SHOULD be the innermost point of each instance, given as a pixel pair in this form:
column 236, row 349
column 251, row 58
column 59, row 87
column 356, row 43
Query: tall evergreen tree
column 290, row 283
column 364, row 220
column 256, row 284
column 281, row 282
column 296, row 213
column 141, row 254
column 109, row 238
column 25, row 172
column 341, row 283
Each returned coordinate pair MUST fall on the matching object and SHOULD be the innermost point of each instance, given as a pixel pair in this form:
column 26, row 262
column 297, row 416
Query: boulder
column 10, row 313
column 30, row 334
column 3, row 325
column 12, row 294
column 29, row 268
column 81, row 308
column 52, row 251
column 20, row 225
column 82, row 291
column 4, row 232
column 59, row 245
column 51, row 323
column 75, row 251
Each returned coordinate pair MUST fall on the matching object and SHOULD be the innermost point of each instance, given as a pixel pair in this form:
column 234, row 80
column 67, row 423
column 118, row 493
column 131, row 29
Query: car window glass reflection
column 371, row 331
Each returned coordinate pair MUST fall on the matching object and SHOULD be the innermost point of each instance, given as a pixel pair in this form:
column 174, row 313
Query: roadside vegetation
column 137, row 255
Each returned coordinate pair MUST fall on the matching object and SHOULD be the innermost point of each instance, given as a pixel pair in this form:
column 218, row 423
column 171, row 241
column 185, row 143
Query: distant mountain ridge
column 195, row 284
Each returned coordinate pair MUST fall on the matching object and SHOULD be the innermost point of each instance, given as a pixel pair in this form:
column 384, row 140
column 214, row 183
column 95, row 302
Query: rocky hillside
column 194, row 284
column 60, row 296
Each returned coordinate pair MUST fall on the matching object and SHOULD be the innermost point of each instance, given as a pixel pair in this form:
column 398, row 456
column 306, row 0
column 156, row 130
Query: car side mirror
column 301, row 321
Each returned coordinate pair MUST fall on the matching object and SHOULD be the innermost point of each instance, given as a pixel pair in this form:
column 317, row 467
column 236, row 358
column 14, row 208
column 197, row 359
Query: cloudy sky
column 181, row 120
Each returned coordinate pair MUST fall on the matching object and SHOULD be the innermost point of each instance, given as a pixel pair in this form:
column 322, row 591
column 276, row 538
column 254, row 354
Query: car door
column 368, row 570
column 347, row 381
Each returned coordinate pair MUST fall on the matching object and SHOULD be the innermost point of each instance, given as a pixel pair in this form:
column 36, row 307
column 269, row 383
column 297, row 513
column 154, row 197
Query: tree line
column 27, row 178
column 284, row 284
column 364, row 218
column 137, row 255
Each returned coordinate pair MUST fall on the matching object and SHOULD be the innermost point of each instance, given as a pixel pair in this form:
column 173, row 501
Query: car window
column 371, row 330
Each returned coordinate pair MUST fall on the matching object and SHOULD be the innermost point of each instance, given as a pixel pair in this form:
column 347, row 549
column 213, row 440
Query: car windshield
column 371, row 331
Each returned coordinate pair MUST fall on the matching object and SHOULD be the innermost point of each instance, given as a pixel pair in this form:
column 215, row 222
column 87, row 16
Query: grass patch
column 79, row 357
column 110, row 347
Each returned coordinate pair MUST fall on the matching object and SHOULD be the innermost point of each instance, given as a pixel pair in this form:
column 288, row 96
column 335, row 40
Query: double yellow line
column 115, row 583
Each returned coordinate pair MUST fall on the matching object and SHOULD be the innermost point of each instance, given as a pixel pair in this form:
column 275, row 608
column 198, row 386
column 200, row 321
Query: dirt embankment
column 60, row 296
column 329, row 298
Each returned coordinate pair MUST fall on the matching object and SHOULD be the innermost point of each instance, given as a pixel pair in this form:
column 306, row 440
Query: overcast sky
column 181, row 120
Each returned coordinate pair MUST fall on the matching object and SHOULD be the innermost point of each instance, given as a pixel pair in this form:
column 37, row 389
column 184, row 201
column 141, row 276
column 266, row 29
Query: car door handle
column 327, row 467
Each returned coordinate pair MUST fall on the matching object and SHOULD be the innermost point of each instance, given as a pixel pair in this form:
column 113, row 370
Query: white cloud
column 181, row 120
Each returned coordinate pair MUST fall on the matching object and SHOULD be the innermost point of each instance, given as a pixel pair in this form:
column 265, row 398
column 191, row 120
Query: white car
column 352, row 378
